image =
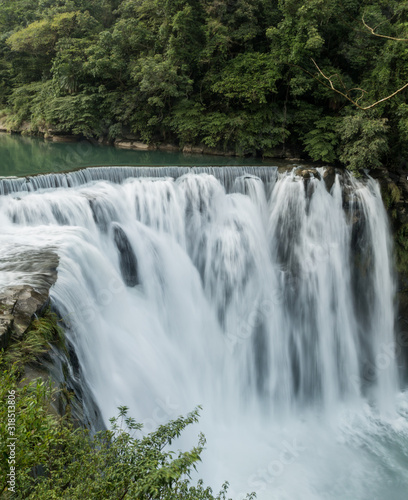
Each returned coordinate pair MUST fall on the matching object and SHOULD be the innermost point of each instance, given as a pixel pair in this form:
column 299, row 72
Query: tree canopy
column 323, row 77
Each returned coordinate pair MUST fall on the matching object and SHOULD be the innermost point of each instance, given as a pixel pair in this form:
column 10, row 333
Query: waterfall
column 262, row 296
column 226, row 175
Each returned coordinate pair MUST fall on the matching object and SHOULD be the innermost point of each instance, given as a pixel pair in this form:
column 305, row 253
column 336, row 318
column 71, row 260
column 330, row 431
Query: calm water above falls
column 21, row 156
column 265, row 299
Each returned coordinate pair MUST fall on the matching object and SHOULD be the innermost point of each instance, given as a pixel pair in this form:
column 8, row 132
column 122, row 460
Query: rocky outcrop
column 24, row 298
column 28, row 295
column 309, row 172
column 329, row 177
column 168, row 147
column 394, row 190
column 137, row 145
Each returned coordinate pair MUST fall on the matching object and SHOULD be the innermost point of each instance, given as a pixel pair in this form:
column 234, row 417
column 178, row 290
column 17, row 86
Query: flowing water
column 261, row 296
column 21, row 155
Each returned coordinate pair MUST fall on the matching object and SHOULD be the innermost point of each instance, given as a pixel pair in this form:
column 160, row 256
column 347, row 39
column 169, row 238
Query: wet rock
column 141, row 146
column 378, row 173
column 308, row 173
column 127, row 257
column 18, row 305
column 104, row 140
column 188, row 148
column 329, row 176
column 394, row 191
column 28, row 295
column 283, row 168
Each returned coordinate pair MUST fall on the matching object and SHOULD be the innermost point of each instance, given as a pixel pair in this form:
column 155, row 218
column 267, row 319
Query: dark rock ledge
column 34, row 273
column 26, row 277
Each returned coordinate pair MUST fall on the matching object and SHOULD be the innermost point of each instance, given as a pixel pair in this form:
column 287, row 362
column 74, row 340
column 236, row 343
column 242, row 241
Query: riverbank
column 129, row 141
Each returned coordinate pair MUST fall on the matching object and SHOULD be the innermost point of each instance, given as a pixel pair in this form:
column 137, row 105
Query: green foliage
column 68, row 64
column 232, row 75
column 321, row 142
column 243, row 131
column 35, row 342
column 363, row 141
column 16, row 13
column 36, row 431
column 249, row 77
column 22, row 100
column 401, row 248
column 55, row 460
column 76, row 114
column 391, row 195
column 36, row 37
column 41, row 36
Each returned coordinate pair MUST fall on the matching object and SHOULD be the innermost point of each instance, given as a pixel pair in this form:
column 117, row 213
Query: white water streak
column 267, row 309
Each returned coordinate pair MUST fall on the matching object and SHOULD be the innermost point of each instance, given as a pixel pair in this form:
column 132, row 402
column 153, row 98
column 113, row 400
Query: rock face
column 329, row 177
column 28, row 295
column 24, row 295
column 394, row 190
column 307, row 173
column 65, row 138
column 141, row 146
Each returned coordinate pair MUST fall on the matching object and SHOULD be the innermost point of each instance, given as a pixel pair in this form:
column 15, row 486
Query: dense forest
column 265, row 77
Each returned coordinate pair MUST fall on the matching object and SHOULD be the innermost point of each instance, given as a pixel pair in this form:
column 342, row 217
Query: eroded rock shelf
column 24, row 292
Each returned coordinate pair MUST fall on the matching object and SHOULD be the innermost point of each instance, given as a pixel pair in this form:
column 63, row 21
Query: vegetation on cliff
column 256, row 77
column 45, row 455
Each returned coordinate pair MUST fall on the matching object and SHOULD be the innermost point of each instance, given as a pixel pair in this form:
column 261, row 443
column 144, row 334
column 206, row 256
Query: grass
column 35, row 342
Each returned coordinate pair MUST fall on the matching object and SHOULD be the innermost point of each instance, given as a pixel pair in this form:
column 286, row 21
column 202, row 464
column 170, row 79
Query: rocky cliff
column 24, row 290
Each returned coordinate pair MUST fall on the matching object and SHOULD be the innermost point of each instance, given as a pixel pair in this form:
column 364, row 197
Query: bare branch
column 372, row 31
column 328, row 80
column 363, row 92
column 346, row 93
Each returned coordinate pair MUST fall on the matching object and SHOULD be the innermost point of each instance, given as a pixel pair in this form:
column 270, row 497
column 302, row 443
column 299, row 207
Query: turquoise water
column 21, row 156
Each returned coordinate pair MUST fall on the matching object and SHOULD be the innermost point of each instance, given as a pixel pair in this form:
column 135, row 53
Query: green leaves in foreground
column 54, row 460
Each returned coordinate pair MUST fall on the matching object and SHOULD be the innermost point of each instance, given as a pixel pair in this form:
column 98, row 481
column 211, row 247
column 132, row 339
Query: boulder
column 18, row 305
column 308, row 173
column 188, row 148
column 141, row 146
column 28, row 296
column 329, row 176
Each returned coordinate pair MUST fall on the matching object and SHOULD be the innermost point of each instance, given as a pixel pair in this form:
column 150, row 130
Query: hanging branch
column 372, row 31
column 346, row 93
column 328, row 81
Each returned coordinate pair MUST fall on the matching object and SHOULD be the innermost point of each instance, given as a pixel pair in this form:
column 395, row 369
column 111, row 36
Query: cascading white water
column 267, row 301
